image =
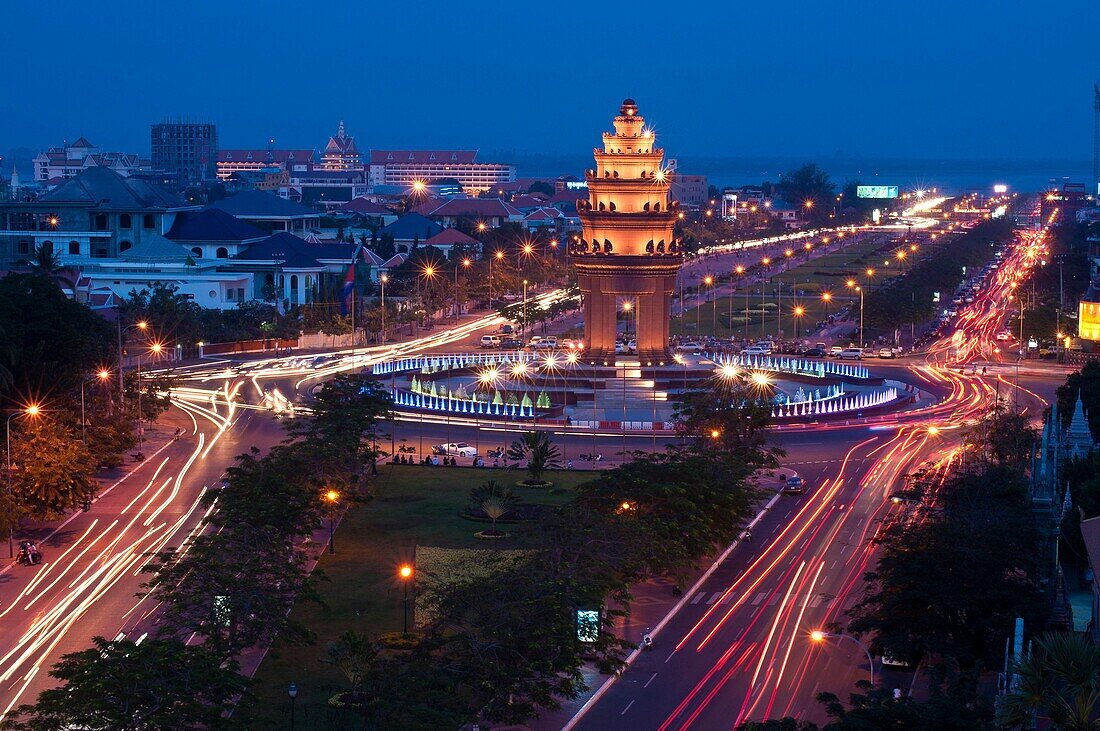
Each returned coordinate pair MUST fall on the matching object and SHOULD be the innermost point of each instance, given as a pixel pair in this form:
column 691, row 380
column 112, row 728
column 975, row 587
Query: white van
column 490, row 341
column 850, row 354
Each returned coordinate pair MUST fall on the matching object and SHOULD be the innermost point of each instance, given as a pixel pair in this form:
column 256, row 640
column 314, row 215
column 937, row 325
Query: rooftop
column 103, row 188
column 261, row 204
column 212, row 224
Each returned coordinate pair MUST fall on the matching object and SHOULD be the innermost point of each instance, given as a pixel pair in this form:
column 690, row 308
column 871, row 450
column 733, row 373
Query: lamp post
column 739, row 270
column 855, row 287
column 405, row 572
column 139, row 325
column 798, row 312
column 766, row 262
column 32, row 410
column 713, row 305
column 826, row 297
column 292, row 692
column 818, row 636
column 466, row 264
column 523, row 325
column 382, row 280
column 332, row 497
column 498, row 255
column 154, row 349
column 101, row 376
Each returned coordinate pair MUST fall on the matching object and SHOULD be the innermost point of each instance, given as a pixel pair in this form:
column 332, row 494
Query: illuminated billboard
column 876, row 191
column 1000, row 188
column 1088, row 321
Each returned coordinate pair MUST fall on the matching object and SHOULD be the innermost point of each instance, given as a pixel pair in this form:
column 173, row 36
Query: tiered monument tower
column 627, row 252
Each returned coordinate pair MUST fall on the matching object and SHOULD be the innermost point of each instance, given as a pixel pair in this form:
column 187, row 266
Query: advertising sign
column 876, row 191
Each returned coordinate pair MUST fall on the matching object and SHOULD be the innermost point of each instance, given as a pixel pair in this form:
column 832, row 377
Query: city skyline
column 969, row 85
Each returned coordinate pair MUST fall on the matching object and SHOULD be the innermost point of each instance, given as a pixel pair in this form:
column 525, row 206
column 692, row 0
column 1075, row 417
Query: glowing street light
column 826, row 297
column 818, row 637
column 31, row 410
column 852, row 285
column 798, row 312
column 331, row 497
column 405, row 573
column 102, row 375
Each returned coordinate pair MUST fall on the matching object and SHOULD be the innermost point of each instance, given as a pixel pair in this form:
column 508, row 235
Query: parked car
column 815, row 353
column 886, row 353
column 490, row 341
column 455, row 449
column 850, row 354
column 835, row 351
column 795, row 486
column 506, row 329
column 688, row 348
column 754, row 350
column 511, row 343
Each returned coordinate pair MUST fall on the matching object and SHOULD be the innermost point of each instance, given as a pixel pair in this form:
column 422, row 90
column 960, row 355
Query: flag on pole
column 349, row 287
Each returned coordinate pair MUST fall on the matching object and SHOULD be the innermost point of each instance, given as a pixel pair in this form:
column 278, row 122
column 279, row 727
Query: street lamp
column 139, row 325
column 855, row 287
column 406, row 573
column 331, row 497
column 826, row 297
column 32, row 410
column 382, row 280
column 154, row 349
column 101, row 376
column 818, row 637
column 798, row 312
column 523, row 325
column 766, row 261
column 739, row 270
column 292, row 692
column 709, row 281
column 466, row 265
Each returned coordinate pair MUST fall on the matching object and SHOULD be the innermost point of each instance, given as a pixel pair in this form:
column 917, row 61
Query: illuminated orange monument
column 627, row 252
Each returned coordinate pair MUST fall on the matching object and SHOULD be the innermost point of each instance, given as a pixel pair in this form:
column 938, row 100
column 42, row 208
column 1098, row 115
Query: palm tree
column 539, row 451
column 46, row 261
column 1059, row 681
column 494, row 500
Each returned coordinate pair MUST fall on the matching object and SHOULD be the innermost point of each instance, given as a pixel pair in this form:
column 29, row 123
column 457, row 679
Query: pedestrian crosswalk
column 768, row 599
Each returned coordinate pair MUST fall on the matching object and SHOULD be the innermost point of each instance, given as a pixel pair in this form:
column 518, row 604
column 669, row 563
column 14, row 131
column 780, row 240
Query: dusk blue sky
column 933, row 80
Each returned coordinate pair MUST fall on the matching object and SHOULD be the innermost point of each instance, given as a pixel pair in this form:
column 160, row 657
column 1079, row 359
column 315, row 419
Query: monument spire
column 627, row 252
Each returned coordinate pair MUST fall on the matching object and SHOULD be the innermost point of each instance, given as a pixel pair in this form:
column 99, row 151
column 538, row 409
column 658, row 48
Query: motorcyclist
column 647, row 640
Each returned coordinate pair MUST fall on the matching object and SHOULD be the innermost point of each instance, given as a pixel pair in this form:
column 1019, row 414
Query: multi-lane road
column 738, row 649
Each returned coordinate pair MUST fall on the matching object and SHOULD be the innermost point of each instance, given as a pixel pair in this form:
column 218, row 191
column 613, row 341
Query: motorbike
column 29, row 555
column 591, row 457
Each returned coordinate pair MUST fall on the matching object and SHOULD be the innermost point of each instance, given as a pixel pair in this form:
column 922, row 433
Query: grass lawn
column 413, row 506
column 802, row 284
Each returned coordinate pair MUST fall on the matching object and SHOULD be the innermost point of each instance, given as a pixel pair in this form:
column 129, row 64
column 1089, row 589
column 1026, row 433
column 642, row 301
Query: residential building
column 449, row 238
column 269, row 212
column 296, row 271
column 213, row 234
column 189, row 149
column 690, row 190
column 412, row 229
column 326, row 188
column 62, row 163
column 98, row 214
column 403, row 168
column 493, row 212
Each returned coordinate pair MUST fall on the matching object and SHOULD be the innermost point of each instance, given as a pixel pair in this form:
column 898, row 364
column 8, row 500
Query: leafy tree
column 539, row 451
column 1003, row 437
column 541, row 186
column 172, row 316
column 808, row 183
column 47, row 341
column 125, row 686
column 1060, row 681
column 877, row 709
column 950, row 584
column 233, row 588
column 778, row 724
column 343, row 430
column 52, row 468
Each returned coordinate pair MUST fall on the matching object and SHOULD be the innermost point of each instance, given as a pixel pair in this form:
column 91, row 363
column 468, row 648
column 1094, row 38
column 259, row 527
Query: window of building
column 100, row 222
column 148, row 221
column 74, row 248
column 46, row 247
column 124, row 246
column 197, row 251
column 23, row 246
column 222, row 253
column 124, row 221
